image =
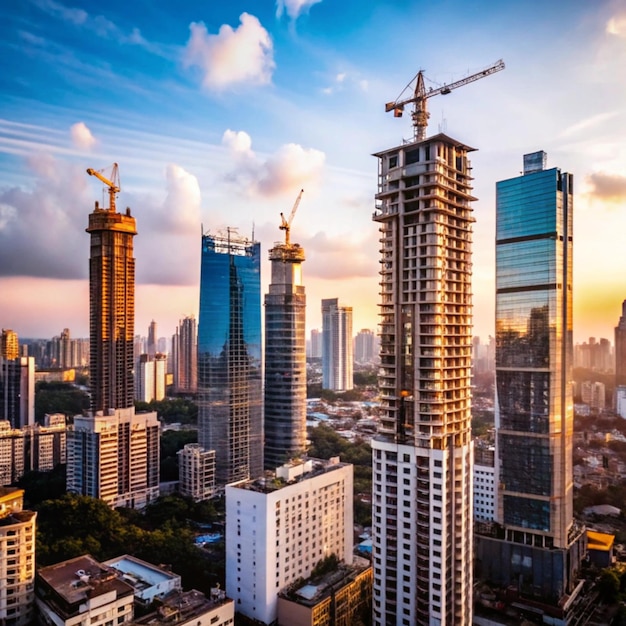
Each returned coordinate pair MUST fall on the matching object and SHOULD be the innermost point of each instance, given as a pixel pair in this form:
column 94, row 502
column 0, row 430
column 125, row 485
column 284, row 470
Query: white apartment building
column 337, row 346
column 82, row 591
column 278, row 529
column 484, row 484
column 17, row 559
column 196, row 472
column 115, row 457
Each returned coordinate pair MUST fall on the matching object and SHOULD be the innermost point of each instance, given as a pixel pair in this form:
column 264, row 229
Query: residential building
column 535, row 547
column 196, row 471
column 278, row 529
column 341, row 596
column 150, row 374
column 17, row 559
column 38, row 448
column 422, row 455
column 337, row 348
column 620, row 349
column 185, row 356
column 82, row 591
column 113, row 453
column 151, row 346
column 484, row 483
column 150, row 582
column 315, row 351
column 285, row 357
column 17, row 391
column 115, row 457
column 230, row 400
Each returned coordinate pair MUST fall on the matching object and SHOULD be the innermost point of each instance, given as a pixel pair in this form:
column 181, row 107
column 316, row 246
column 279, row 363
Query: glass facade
column 230, row 419
column 534, row 409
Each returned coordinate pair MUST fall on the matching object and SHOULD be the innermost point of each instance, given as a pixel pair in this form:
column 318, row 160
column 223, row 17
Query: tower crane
column 113, row 184
column 286, row 223
column 420, row 114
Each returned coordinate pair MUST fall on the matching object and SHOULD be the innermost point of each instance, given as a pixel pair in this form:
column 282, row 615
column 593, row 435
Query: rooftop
column 140, row 574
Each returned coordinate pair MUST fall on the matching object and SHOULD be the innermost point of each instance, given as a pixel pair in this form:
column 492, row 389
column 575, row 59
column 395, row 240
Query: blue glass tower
column 230, row 417
column 538, row 547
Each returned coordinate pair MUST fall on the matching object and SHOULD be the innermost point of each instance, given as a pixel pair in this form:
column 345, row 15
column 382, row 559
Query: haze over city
column 219, row 114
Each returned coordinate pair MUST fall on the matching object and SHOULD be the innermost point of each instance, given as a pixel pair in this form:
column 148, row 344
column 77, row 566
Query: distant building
column 620, row 349
column 484, row 483
column 17, row 391
column 593, row 394
column 185, row 356
column 196, row 471
column 230, row 394
column 342, row 596
column 620, row 401
column 315, row 351
column 82, row 591
column 150, row 374
column 279, row 528
column 151, row 346
column 17, row 559
column 365, row 346
column 9, row 345
column 115, row 457
column 337, row 355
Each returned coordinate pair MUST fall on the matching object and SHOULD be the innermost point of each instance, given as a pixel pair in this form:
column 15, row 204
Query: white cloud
column 82, row 136
column 608, row 187
column 617, row 25
column 293, row 8
column 233, row 56
column 290, row 167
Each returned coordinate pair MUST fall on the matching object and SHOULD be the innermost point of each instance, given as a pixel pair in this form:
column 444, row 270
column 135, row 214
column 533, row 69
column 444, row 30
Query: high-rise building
column 337, row 347
column 17, row 559
column 536, row 546
column 111, row 309
column 113, row 453
column 152, row 339
column 620, row 349
column 422, row 454
column 278, row 530
column 316, row 344
column 9, row 344
column 285, row 357
column 196, row 472
column 185, row 356
column 17, row 391
column 150, row 377
column 365, row 346
column 230, row 406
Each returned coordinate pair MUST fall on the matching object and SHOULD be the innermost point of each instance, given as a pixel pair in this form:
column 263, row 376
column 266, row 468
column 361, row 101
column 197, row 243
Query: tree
column 608, row 585
column 58, row 397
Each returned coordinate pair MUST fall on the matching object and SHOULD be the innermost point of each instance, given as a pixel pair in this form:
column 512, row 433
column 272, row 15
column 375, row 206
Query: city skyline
column 274, row 103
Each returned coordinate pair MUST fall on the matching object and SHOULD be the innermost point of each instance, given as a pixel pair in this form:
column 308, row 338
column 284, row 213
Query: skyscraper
column 185, row 356
column 230, row 408
column 17, row 391
column 111, row 308
column 337, row 346
column 422, row 454
column 113, row 453
column 285, row 357
column 9, row 345
column 152, row 339
column 537, row 546
column 365, row 344
column 620, row 349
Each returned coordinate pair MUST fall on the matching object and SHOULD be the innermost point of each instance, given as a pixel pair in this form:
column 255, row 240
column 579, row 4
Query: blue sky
column 218, row 113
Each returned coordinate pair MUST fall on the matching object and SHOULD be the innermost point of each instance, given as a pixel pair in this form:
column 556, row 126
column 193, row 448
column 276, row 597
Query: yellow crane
column 286, row 223
column 113, row 184
column 420, row 114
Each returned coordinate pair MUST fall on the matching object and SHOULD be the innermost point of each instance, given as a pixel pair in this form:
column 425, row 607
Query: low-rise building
column 196, row 472
column 83, row 591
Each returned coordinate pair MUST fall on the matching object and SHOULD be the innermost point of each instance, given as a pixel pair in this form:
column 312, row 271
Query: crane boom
column 420, row 113
column 114, row 185
column 286, row 223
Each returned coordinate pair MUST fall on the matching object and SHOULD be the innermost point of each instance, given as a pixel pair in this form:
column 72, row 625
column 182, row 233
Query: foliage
column 171, row 442
column 40, row 486
column 608, row 585
column 172, row 410
column 365, row 378
column 325, row 565
column 482, row 422
column 316, row 391
column 74, row 525
column 59, row 397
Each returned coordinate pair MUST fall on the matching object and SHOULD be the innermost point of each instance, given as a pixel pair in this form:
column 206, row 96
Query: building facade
column 150, row 376
column 536, row 547
column 365, row 346
column 285, row 357
column 185, row 356
column 17, row 391
column 17, row 559
column 620, row 349
column 337, row 347
column 422, row 456
column 278, row 530
column 230, row 401
column 9, row 344
column 196, row 472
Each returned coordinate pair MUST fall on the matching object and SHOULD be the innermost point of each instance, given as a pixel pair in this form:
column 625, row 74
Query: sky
column 218, row 113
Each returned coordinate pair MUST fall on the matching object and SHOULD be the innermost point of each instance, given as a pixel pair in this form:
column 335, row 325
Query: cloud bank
column 233, row 56
column 608, row 187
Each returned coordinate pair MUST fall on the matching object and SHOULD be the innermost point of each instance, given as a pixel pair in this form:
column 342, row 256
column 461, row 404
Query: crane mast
column 420, row 113
column 113, row 184
column 286, row 223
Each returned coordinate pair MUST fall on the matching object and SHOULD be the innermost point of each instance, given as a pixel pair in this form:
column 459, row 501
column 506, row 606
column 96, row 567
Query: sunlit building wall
column 185, row 356
column 337, row 347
